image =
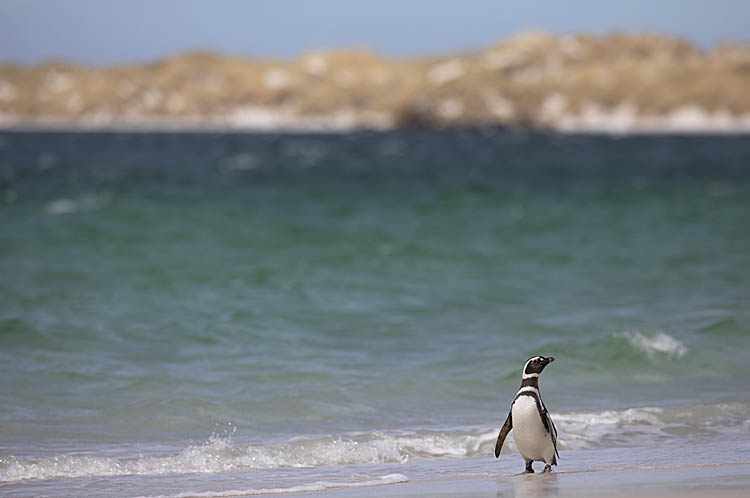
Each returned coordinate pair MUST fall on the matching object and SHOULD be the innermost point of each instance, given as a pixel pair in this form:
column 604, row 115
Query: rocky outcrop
column 620, row 83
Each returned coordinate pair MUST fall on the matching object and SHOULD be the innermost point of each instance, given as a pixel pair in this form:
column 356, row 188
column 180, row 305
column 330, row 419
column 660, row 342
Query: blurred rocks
column 621, row 83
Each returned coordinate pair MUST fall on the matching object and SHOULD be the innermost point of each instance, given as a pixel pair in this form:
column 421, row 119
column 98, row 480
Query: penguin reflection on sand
column 533, row 430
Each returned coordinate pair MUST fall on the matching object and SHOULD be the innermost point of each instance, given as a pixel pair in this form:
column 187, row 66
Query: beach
column 700, row 470
column 729, row 480
column 227, row 314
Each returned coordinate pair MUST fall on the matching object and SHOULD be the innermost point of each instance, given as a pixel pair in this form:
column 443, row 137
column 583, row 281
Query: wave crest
column 577, row 430
column 656, row 344
column 218, row 454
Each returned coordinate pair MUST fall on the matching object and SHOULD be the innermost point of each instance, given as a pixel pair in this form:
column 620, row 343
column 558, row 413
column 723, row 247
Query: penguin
column 534, row 432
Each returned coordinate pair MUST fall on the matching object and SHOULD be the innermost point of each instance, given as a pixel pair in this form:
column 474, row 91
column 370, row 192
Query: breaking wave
column 626, row 349
column 659, row 343
column 578, row 430
column 219, row 454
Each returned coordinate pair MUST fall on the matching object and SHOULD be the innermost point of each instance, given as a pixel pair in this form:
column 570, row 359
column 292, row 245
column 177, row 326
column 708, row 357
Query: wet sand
column 671, row 471
column 690, row 469
column 723, row 480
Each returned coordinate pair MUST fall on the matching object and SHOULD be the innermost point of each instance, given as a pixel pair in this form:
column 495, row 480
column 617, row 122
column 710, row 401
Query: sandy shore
column 724, row 480
column 693, row 470
column 688, row 468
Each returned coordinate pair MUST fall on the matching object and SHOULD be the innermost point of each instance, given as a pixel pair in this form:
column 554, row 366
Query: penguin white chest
column 532, row 439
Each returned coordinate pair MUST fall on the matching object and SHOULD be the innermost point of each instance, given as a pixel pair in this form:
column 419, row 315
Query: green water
column 156, row 289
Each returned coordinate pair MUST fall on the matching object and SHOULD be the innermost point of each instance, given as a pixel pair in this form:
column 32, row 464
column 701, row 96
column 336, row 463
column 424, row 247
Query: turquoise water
column 198, row 307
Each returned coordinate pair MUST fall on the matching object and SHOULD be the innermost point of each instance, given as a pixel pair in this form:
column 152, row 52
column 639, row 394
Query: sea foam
column 316, row 486
column 577, row 430
column 659, row 343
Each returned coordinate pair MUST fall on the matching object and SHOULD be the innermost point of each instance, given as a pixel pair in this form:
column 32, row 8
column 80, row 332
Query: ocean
column 214, row 314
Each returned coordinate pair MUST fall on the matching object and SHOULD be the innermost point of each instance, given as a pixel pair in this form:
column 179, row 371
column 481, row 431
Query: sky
column 101, row 32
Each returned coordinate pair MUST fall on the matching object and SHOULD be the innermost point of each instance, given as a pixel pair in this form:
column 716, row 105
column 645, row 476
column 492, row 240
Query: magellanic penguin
column 533, row 430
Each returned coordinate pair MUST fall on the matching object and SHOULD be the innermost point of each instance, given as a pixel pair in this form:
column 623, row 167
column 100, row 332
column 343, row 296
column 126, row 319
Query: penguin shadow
column 535, row 485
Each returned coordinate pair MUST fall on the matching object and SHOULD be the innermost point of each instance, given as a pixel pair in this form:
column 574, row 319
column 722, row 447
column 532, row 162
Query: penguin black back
column 535, row 433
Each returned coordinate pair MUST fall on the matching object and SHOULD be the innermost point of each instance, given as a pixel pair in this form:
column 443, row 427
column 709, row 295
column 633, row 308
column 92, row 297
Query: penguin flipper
column 552, row 431
column 507, row 426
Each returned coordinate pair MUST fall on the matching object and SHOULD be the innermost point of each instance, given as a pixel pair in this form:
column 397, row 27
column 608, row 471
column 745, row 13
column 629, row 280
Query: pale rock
column 57, row 82
column 151, row 98
column 623, row 118
column 501, row 59
column 255, row 117
column 445, row 72
column 276, row 78
column 344, row 78
column 175, row 103
column 499, row 106
column 7, row 92
column 572, row 48
column 316, row 64
column 450, row 108
column 74, row 103
column 553, row 107
column 687, row 118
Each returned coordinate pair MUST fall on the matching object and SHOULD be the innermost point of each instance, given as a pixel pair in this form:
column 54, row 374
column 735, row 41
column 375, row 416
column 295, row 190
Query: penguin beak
column 550, row 359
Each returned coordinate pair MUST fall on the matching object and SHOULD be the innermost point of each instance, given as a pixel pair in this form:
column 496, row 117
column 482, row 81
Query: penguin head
column 535, row 365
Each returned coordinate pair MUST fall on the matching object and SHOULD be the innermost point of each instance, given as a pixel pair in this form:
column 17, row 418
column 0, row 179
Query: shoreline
column 571, row 128
column 686, row 468
column 658, row 480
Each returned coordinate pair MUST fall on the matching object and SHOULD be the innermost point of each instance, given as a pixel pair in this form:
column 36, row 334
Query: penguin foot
column 529, row 468
column 547, row 469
